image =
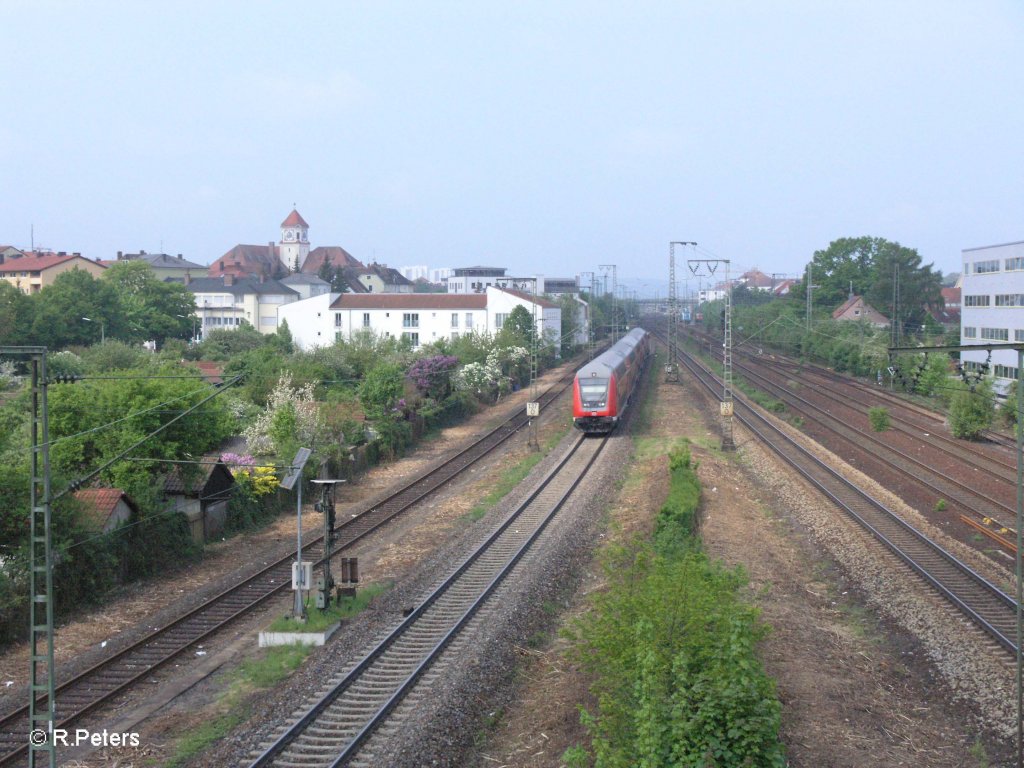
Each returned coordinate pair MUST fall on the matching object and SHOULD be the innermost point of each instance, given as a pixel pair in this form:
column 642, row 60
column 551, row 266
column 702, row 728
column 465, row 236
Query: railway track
column 994, row 502
column 92, row 688
column 337, row 725
column 981, row 601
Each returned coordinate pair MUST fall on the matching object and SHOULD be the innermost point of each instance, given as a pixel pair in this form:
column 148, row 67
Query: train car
column 602, row 388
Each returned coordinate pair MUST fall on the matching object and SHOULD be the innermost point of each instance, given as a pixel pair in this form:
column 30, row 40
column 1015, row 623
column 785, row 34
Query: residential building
column 380, row 278
column 291, row 254
column 226, row 302
column 34, row 271
column 992, row 307
column 306, row 285
column 473, row 279
column 421, row 318
column 172, row 269
column 855, row 308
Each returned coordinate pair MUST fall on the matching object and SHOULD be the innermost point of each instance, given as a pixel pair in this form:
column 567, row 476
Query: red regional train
column 601, row 390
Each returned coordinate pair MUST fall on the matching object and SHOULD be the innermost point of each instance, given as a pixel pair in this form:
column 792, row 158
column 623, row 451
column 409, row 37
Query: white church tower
column 294, row 246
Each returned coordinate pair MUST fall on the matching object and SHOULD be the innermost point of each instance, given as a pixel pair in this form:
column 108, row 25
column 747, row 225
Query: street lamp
column 103, row 335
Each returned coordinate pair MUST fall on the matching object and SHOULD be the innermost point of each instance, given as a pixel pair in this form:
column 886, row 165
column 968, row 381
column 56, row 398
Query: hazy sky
column 548, row 137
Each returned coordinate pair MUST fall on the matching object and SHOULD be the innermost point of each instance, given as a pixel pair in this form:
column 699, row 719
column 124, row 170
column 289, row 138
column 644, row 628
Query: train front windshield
column 593, row 393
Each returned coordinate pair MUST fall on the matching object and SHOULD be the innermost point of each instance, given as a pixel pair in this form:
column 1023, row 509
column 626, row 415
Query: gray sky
column 548, row 137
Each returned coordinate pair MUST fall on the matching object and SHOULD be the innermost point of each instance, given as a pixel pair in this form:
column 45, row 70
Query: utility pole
column 590, row 313
column 41, row 695
column 533, row 407
column 672, row 366
column 615, row 285
column 726, row 406
column 301, row 575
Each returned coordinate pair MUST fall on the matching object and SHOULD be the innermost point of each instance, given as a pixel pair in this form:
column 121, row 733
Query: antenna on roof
column 32, row 236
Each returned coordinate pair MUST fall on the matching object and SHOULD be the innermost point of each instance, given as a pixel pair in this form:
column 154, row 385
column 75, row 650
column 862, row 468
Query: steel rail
column 1000, row 621
column 160, row 646
column 322, row 705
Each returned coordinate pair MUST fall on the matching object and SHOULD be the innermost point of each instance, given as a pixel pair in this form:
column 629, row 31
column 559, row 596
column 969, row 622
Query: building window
column 410, row 320
column 366, row 319
column 983, row 267
column 977, row 301
column 337, row 335
column 1006, row 372
column 455, row 319
column 337, row 319
column 995, row 334
column 970, row 332
column 455, row 335
column 1016, row 263
column 1018, row 334
column 414, row 338
column 1010, row 299
column 469, row 320
column 499, row 319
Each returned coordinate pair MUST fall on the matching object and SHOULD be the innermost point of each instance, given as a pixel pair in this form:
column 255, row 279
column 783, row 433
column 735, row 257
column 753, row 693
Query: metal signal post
column 726, row 407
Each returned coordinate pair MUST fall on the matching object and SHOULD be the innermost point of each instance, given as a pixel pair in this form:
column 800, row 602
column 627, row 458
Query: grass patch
column 671, row 645
column 513, row 476
column 266, row 671
column 345, row 608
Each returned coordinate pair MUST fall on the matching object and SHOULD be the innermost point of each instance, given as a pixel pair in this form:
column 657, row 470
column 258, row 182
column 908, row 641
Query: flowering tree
column 290, row 419
column 432, row 375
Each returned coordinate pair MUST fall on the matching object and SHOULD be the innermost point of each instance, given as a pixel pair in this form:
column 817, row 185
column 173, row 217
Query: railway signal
column 325, row 584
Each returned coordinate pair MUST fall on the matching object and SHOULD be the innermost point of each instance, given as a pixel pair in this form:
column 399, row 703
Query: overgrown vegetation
column 671, row 646
column 878, row 418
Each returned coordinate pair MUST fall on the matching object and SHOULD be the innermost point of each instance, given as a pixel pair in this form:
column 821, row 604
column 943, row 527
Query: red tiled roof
column 39, row 263
column 211, row 370
column 249, row 260
column 951, row 295
column 294, row 219
column 99, row 503
column 334, row 255
column 410, row 301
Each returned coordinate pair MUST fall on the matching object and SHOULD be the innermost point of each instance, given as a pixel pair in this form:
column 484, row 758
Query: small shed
column 201, row 493
column 106, row 508
column 855, row 308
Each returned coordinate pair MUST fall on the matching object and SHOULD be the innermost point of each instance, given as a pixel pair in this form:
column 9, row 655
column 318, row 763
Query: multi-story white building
column 224, row 302
column 473, row 279
column 421, row 318
column 992, row 307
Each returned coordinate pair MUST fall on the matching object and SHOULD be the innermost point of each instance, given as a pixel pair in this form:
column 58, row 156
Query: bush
column 672, row 649
column 971, row 410
column 879, row 418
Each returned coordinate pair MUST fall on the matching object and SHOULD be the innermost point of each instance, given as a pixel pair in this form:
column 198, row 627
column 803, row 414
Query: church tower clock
column 294, row 245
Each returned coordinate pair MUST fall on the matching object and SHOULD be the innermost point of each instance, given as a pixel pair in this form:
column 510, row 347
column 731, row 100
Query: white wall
column 1002, row 282
column 310, row 321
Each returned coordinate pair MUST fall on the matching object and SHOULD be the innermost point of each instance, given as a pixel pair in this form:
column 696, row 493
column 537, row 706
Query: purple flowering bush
column 432, row 375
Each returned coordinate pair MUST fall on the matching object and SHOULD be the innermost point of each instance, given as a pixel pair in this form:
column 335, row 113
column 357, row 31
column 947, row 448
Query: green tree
column 16, row 315
column 518, row 328
column 571, row 324
column 870, row 266
column 381, row 388
column 148, row 308
column 60, row 307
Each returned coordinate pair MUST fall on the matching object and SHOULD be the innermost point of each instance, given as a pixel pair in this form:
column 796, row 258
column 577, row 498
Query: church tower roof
column 294, row 219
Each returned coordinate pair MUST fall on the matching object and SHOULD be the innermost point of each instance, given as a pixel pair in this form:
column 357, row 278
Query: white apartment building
column 992, row 307
column 422, row 318
column 224, row 302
